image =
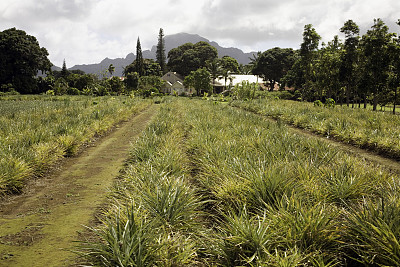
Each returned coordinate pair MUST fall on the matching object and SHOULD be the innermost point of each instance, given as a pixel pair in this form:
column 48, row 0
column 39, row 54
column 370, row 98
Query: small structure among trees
column 173, row 83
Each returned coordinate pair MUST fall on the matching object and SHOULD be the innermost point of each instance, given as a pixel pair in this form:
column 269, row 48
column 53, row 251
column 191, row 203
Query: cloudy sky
column 87, row 31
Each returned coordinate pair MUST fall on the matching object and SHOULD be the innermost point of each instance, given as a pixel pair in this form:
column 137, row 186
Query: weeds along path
column 38, row 227
column 371, row 156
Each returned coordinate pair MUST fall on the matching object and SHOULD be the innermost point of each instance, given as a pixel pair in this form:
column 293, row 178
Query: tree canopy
column 199, row 80
column 190, row 57
column 21, row 58
column 273, row 64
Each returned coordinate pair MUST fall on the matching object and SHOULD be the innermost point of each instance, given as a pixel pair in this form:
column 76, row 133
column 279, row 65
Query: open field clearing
column 36, row 131
column 211, row 185
column 39, row 226
column 377, row 131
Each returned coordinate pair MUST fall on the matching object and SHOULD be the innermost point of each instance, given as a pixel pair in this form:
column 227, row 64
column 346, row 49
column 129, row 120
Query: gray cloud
column 86, row 31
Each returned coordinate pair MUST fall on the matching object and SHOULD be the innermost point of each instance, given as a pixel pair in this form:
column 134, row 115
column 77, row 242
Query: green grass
column 36, row 131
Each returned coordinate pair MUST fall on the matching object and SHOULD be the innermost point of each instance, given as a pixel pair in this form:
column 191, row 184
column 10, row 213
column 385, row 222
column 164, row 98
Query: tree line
column 22, row 59
column 355, row 71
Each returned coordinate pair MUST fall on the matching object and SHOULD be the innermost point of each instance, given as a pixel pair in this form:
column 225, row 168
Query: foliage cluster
column 35, row 131
column 190, row 57
column 21, row 58
column 362, row 69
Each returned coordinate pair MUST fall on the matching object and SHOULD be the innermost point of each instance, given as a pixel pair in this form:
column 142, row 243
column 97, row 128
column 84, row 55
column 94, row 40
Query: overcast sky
column 87, row 31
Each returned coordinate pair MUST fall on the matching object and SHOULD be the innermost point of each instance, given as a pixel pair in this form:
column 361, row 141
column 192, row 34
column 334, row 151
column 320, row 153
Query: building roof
column 172, row 77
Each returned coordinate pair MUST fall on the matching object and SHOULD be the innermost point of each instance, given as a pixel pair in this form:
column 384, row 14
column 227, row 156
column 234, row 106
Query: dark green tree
column 273, row 64
column 139, row 59
column 131, row 81
column 394, row 83
column 326, row 69
column 190, row 57
column 214, row 67
column 111, row 69
column 349, row 57
column 21, row 58
column 199, row 80
column 149, row 85
column 376, row 45
column 149, row 68
column 116, row 86
column 160, row 53
column 230, row 64
column 307, row 54
column 64, row 71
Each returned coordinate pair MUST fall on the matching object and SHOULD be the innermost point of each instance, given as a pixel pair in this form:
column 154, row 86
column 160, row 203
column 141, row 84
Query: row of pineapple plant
column 212, row 185
column 36, row 131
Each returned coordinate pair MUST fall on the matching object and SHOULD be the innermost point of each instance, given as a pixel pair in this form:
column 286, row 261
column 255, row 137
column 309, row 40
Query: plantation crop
column 35, row 131
column 378, row 131
column 211, row 185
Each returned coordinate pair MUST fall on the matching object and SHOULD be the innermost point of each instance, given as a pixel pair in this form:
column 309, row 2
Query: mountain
column 171, row 41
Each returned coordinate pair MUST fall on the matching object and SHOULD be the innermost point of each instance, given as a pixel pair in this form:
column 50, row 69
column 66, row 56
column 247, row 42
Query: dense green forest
column 357, row 70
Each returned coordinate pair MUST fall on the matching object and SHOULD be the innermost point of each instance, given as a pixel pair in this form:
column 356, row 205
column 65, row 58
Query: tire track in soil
column 38, row 227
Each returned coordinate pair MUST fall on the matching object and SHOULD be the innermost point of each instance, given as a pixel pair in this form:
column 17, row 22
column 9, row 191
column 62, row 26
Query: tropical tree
column 214, row 67
column 139, row 59
column 395, row 73
column 254, row 59
column 308, row 52
column 190, row 57
column 273, row 64
column 131, row 81
column 21, row 58
column 64, row 71
column 199, row 80
column 160, row 52
column 327, row 67
column 149, row 85
column 376, row 47
column 115, row 85
column 149, row 68
column 111, row 69
column 230, row 64
column 349, row 57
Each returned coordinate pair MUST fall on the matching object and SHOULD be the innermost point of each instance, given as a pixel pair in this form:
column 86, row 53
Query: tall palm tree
column 214, row 67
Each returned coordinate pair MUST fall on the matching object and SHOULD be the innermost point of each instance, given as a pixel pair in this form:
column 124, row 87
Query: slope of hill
column 171, row 41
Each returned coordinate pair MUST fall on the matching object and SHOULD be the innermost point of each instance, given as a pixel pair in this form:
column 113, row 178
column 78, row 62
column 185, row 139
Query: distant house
column 174, row 83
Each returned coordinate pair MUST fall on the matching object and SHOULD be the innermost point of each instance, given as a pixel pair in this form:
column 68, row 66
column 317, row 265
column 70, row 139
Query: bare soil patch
column 38, row 227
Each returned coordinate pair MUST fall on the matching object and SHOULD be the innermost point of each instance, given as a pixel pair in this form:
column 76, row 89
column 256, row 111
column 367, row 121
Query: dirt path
column 38, row 227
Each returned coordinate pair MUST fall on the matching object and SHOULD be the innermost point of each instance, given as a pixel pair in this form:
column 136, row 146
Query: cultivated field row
column 376, row 131
column 35, row 131
column 210, row 185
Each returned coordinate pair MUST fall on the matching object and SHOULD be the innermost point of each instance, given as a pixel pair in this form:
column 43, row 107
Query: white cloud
column 86, row 31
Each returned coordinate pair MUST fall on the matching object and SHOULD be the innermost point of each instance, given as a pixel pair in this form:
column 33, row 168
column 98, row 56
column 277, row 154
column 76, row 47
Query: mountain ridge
column 171, row 41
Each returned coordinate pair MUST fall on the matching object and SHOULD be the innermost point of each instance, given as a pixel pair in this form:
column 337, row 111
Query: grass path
column 38, row 227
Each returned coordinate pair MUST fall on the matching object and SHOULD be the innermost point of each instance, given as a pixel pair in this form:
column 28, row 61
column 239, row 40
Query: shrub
column 317, row 103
